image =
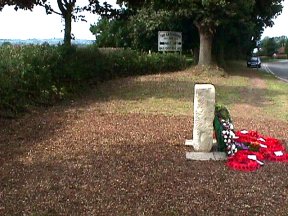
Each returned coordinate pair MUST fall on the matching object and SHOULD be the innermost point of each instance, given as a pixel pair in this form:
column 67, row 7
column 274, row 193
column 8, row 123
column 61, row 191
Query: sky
column 280, row 24
column 23, row 24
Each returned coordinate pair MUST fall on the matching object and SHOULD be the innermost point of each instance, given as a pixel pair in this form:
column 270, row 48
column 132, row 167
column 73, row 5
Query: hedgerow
column 44, row 74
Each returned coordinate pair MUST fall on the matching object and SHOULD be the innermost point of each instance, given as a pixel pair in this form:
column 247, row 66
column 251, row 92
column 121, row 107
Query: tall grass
column 43, row 74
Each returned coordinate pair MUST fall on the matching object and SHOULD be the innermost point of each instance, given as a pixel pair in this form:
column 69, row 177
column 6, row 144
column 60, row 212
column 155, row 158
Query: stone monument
column 204, row 108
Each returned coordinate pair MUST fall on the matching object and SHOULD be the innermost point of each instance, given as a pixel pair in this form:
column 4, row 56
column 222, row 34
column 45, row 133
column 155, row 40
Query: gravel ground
column 70, row 161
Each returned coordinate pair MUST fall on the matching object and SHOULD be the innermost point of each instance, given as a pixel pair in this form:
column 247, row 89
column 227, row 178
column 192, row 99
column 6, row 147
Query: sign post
column 169, row 41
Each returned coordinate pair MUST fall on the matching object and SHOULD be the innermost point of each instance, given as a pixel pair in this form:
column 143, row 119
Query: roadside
column 278, row 68
column 119, row 150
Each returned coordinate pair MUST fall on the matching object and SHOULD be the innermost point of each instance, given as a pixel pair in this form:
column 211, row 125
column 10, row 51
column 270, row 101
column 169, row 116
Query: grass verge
column 277, row 94
column 245, row 91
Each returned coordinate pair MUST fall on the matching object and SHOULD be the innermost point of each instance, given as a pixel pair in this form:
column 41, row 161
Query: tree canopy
column 23, row 4
column 215, row 27
column 270, row 46
column 213, row 16
column 69, row 11
column 221, row 24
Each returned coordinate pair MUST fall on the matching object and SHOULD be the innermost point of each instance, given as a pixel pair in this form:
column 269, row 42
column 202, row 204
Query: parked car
column 254, row 62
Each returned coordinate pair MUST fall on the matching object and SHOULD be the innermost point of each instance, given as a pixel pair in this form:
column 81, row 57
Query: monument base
column 212, row 155
column 202, row 156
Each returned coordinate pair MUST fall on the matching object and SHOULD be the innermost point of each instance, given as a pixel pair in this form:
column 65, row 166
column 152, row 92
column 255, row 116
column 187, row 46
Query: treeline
column 274, row 46
column 213, row 30
column 43, row 74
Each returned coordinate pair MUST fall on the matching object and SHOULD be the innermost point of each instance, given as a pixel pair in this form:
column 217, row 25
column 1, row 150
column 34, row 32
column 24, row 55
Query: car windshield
column 254, row 59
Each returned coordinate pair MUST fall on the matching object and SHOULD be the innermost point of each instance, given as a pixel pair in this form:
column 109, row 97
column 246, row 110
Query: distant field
column 51, row 41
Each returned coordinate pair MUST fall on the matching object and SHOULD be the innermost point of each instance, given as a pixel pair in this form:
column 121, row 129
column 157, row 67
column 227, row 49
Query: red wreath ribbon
column 270, row 145
column 240, row 161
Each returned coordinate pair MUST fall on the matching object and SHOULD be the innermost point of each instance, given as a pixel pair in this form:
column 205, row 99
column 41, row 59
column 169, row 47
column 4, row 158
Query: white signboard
column 169, row 41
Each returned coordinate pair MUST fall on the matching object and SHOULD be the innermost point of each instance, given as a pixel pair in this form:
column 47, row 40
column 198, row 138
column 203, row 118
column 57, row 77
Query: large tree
column 212, row 16
column 69, row 11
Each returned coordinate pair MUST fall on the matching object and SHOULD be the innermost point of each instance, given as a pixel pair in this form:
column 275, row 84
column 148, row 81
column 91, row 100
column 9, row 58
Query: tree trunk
column 68, row 29
column 206, row 38
column 66, row 7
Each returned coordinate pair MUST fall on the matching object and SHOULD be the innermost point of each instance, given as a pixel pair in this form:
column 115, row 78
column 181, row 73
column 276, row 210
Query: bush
column 43, row 74
column 11, row 93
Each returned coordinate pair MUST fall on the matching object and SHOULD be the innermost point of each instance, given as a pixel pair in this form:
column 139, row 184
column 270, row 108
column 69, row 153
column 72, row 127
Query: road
column 279, row 69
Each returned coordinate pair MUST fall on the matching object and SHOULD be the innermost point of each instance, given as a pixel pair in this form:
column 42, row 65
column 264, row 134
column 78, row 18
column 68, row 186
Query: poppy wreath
column 241, row 161
column 272, row 149
column 246, row 150
column 224, row 131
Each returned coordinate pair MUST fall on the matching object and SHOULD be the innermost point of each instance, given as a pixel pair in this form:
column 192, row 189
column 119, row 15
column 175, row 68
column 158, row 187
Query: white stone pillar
column 204, row 107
